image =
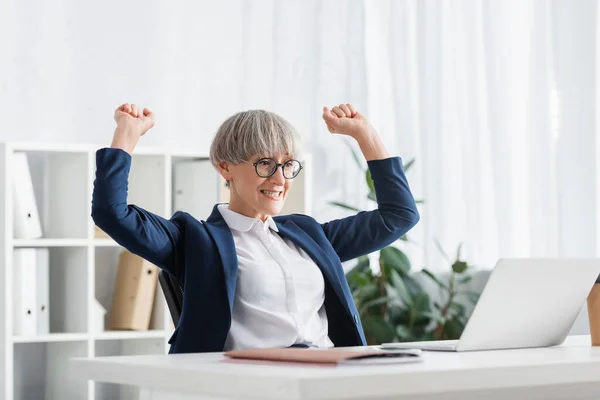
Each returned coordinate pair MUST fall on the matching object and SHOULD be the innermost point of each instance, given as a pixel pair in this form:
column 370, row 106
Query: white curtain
column 496, row 102
column 494, row 99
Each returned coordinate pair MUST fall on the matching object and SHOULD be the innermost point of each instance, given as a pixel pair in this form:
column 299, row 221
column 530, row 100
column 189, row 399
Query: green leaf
column 367, row 291
column 359, row 279
column 472, row 296
column 362, row 267
column 404, row 238
column 459, row 308
column 395, row 258
column 454, row 328
column 375, row 302
column 420, row 201
column 458, row 252
column 378, row 329
column 435, row 279
column 409, row 164
column 363, row 264
column 422, row 321
column 441, row 249
column 371, row 196
column 398, row 315
column 459, row 267
column 434, row 317
column 403, row 333
column 370, row 182
column 342, row 205
column 412, row 285
column 421, row 302
column 465, row 279
column 400, row 287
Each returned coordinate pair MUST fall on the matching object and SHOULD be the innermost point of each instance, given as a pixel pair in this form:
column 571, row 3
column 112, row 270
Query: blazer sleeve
column 369, row 231
column 146, row 234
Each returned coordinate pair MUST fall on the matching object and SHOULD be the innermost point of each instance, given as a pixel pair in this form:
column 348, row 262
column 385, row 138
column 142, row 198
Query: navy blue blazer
column 202, row 255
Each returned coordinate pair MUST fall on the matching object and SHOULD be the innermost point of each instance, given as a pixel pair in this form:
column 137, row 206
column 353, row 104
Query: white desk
column 569, row 371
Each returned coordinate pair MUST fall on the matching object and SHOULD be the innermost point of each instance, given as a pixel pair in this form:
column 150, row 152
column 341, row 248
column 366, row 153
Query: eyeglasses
column 266, row 167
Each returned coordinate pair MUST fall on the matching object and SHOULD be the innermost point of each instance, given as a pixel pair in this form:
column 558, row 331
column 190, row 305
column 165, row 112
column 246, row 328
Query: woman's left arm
column 396, row 212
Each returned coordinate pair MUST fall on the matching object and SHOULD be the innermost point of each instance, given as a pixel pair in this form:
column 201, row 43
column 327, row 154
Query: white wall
column 65, row 66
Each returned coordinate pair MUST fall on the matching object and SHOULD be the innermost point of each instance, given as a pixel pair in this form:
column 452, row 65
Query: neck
column 241, row 207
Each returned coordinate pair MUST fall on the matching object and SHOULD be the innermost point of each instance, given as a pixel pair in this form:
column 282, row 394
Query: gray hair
column 253, row 133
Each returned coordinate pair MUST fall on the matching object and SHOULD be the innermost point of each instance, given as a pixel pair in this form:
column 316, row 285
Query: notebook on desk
column 333, row 356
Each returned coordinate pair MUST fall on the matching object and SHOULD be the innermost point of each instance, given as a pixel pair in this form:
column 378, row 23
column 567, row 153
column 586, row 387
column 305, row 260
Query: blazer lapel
column 218, row 229
column 293, row 232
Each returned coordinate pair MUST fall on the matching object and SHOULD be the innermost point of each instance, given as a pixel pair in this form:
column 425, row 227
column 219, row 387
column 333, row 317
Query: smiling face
column 252, row 195
column 247, row 138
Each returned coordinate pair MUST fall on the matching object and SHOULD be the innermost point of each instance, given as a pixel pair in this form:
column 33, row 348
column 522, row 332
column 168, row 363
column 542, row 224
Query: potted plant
column 391, row 299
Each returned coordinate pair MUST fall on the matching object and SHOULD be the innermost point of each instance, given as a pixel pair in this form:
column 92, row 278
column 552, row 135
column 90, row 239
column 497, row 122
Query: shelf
column 49, row 147
column 105, row 243
column 52, row 147
column 106, row 260
column 52, row 337
column 119, row 335
column 47, row 242
column 65, row 305
column 41, row 371
column 60, row 185
column 75, row 337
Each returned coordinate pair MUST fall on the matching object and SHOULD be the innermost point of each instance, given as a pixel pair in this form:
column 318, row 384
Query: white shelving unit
column 83, row 267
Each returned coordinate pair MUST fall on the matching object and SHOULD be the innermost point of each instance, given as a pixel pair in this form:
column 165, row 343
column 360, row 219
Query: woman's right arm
column 148, row 235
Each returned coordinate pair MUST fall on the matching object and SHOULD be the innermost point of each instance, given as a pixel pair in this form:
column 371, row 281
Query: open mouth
column 272, row 195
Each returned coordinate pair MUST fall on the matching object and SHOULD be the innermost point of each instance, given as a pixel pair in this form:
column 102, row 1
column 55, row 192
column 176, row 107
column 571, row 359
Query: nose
column 278, row 178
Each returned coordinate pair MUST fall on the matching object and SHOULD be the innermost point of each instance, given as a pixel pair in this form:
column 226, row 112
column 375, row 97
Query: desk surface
column 575, row 362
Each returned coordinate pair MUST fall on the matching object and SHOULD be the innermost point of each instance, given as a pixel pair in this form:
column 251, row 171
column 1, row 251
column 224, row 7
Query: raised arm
column 148, row 235
column 396, row 214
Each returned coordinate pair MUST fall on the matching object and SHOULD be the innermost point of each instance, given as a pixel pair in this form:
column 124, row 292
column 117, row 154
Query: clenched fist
column 132, row 123
column 344, row 119
column 134, row 118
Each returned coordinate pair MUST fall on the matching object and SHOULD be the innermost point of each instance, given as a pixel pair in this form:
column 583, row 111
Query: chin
column 273, row 210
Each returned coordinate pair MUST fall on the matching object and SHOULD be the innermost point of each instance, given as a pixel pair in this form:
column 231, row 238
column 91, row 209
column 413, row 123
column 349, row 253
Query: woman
column 251, row 278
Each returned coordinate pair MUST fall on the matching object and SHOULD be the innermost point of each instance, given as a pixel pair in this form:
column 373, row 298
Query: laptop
column 526, row 303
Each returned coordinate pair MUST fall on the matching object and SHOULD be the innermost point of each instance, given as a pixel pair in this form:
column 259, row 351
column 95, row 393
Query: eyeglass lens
column 266, row 167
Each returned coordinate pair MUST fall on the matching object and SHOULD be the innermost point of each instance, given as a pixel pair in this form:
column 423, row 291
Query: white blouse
column 280, row 291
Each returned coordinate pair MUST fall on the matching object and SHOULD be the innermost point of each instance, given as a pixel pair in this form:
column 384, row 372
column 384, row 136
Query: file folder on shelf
column 24, row 272
column 42, row 291
column 26, row 221
column 133, row 297
column 31, row 314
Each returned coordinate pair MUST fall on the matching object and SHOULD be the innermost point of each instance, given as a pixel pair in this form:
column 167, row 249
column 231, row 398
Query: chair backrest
column 173, row 294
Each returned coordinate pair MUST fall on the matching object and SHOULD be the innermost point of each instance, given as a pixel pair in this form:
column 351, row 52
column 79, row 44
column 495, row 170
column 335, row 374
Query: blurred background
column 494, row 102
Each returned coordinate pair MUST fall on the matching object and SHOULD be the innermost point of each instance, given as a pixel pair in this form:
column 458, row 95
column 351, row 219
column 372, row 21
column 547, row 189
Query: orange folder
column 333, row 356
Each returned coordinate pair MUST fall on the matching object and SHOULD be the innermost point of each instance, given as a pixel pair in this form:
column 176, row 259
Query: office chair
column 173, row 294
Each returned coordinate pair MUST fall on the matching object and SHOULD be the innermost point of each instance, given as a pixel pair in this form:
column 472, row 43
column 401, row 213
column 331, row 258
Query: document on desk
column 329, row 356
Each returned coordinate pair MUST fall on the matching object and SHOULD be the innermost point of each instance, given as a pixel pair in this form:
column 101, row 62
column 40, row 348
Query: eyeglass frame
column 277, row 165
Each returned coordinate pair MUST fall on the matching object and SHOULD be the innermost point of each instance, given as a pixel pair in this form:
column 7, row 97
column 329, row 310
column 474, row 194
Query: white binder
column 193, row 183
column 42, row 292
column 26, row 221
column 24, row 272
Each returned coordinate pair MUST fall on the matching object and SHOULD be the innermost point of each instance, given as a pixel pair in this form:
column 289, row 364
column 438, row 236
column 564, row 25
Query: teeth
column 272, row 194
